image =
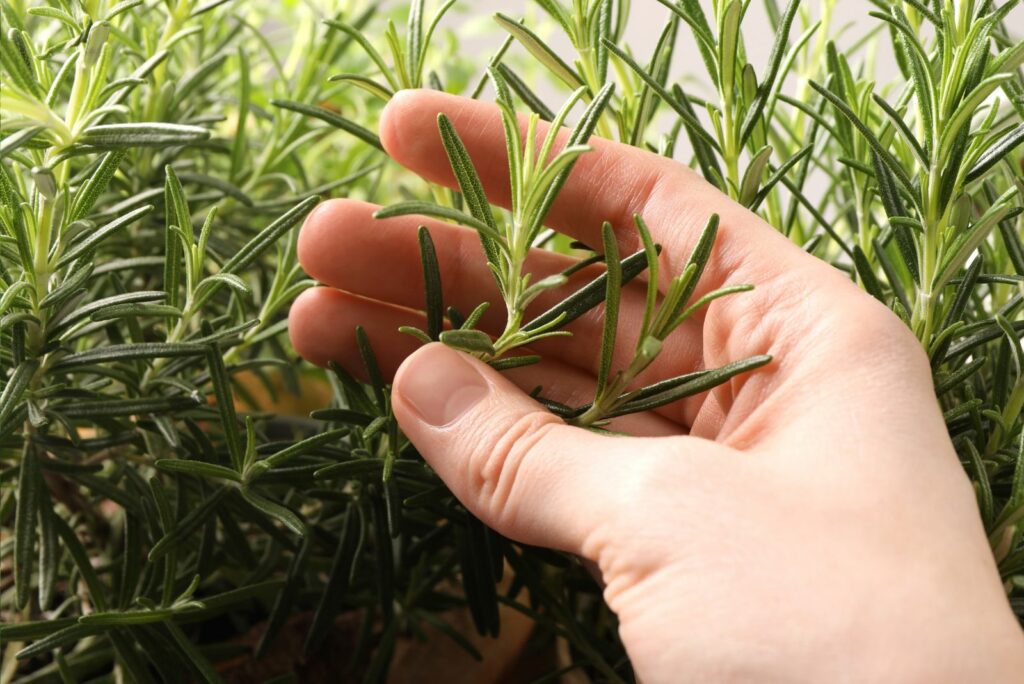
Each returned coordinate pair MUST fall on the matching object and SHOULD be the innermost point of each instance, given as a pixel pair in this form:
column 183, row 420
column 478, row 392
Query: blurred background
column 649, row 17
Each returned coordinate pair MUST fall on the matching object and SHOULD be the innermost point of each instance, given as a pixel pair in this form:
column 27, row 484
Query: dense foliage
column 163, row 512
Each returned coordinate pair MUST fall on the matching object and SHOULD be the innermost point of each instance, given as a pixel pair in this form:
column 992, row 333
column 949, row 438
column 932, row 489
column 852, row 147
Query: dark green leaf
column 751, row 183
column 473, row 341
column 996, row 152
column 196, row 468
column 884, row 155
column 898, row 120
column 99, row 305
column 29, row 481
column 193, row 655
column 478, row 579
column 285, row 598
column 514, row 362
column 703, row 383
column 469, row 185
column 267, row 237
column 579, row 135
column 372, row 367
column 699, row 258
column 776, row 177
column 92, row 239
column 302, row 447
column 225, row 404
column 333, row 119
column 613, row 293
column 15, row 388
column 152, row 134
column 275, row 510
column 385, row 556
column 97, row 592
column 114, row 408
column 337, row 584
column 68, row 635
column 693, row 125
column 690, row 11
column 587, row 297
column 16, row 140
column 525, row 93
column 116, row 618
column 34, row 629
column 867, row 274
column 187, row 525
column 131, row 352
column 487, row 230
column 50, row 551
column 754, row 111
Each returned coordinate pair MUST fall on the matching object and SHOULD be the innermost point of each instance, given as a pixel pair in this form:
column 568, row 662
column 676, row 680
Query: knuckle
column 498, row 470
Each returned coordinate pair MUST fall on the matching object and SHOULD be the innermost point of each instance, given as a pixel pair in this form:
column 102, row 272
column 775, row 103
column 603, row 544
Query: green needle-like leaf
column 378, row 90
column 487, row 230
column 131, row 352
column 275, row 510
column 116, row 136
column 431, row 285
column 884, row 155
column 685, row 113
column 114, row 408
column 700, row 384
column 15, row 388
column 25, row 524
column 469, row 185
column 756, row 108
column 93, row 238
column 301, row 447
column 469, row 340
column 337, row 583
column 751, row 183
column 197, row 468
column 997, row 152
column 613, row 292
column 367, row 136
column 587, row 297
column 540, row 50
column 225, row 404
column 90, row 191
column 699, row 258
column 62, row 637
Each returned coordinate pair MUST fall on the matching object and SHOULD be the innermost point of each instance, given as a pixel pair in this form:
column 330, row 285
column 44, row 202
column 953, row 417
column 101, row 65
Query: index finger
column 611, row 183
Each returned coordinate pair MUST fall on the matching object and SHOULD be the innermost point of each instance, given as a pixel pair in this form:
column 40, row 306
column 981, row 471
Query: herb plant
column 162, row 514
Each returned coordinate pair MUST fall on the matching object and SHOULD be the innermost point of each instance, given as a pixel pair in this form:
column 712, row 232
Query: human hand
column 805, row 522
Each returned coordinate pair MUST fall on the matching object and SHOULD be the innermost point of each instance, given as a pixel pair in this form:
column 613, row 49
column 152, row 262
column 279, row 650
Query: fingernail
column 441, row 384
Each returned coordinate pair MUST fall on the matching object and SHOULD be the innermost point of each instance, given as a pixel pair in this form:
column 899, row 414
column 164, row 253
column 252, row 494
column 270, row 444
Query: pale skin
column 808, row 521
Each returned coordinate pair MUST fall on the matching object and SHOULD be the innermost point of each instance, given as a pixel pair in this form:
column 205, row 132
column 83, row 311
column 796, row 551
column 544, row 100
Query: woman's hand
column 808, row 521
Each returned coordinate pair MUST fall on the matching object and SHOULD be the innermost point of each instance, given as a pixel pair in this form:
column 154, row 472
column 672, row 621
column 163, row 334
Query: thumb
column 517, row 467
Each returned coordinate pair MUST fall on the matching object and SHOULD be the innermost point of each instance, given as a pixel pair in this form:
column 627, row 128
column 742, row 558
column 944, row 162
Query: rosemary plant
column 165, row 518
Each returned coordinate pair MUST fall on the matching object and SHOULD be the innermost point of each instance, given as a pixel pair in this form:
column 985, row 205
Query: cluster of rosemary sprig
column 537, row 173
column 147, row 243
